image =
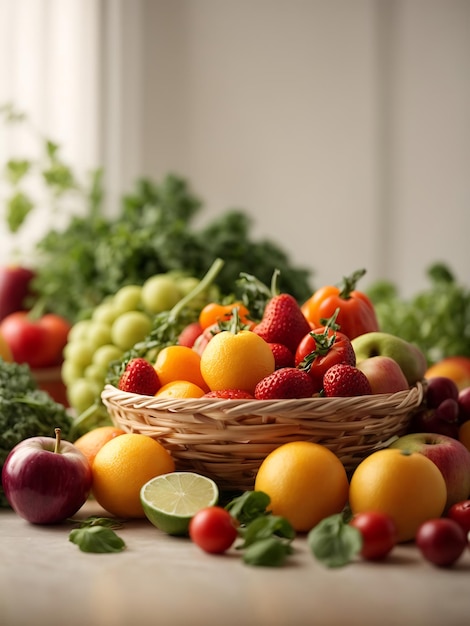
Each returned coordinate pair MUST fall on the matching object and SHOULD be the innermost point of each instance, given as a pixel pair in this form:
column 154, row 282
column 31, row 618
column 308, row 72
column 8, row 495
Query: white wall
column 342, row 126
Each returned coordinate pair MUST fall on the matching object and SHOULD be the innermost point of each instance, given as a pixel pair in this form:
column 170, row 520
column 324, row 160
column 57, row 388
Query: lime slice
column 171, row 500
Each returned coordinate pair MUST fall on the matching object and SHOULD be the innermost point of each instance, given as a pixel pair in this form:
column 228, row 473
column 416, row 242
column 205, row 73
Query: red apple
column 15, row 284
column 46, row 480
column 384, row 374
column 450, row 456
column 455, row 367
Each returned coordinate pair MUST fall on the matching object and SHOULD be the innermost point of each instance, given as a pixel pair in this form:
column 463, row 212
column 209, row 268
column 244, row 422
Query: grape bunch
column 114, row 327
column 444, row 410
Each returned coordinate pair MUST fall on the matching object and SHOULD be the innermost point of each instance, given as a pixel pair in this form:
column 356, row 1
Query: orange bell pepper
column 356, row 312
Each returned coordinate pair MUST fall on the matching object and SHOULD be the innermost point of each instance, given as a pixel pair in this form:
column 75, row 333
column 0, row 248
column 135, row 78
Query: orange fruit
column 180, row 389
column 236, row 360
column 406, row 485
column 305, row 481
column 464, row 434
column 179, row 363
column 121, row 468
column 94, row 440
column 5, row 352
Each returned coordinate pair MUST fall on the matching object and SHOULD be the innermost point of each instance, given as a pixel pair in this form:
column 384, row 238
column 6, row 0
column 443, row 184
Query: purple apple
column 15, row 282
column 46, row 480
column 384, row 374
column 450, row 456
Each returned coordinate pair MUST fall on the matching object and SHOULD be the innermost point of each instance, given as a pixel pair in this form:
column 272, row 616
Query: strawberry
column 284, row 383
column 139, row 377
column 343, row 380
column 283, row 357
column 229, row 394
column 283, row 322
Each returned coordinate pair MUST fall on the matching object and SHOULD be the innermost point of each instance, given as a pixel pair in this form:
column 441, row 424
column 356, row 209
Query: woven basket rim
column 378, row 403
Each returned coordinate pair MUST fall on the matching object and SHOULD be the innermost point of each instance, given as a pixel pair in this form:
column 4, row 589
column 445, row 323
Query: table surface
column 168, row 581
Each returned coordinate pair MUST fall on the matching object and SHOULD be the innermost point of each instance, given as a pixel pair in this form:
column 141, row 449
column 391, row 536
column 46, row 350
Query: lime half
column 171, row 500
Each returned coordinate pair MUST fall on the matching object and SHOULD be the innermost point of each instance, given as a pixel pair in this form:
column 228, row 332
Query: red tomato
column 379, row 534
column 441, row 541
column 460, row 512
column 37, row 342
column 322, row 348
column 213, row 529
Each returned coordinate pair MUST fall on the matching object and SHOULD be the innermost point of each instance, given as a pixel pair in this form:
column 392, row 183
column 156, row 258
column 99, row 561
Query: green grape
column 105, row 312
column 128, row 298
column 79, row 352
column 160, row 293
column 70, row 372
column 79, row 331
column 129, row 328
column 95, row 373
column 98, row 334
column 105, row 354
column 82, row 393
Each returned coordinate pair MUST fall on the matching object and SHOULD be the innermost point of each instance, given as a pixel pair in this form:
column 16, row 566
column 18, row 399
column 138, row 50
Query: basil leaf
column 270, row 552
column 334, row 542
column 248, row 506
column 97, row 539
column 264, row 527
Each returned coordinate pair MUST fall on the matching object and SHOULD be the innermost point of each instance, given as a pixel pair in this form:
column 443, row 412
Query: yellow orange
column 464, row 434
column 121, row 468
column 406, row 485
column 180, row 389
column 92, row 441
column 236, row 361
column 179, row 363
column 305, row 481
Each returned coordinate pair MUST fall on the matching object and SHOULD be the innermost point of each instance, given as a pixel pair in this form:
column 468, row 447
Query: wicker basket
column 228, row 439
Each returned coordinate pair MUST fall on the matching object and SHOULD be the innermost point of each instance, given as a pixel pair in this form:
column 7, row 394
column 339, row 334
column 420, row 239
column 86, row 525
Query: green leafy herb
column 248, row 506
column 334, row 542
column 268, row 552
column 266, row 538
column 437, row 319
column 98, row 539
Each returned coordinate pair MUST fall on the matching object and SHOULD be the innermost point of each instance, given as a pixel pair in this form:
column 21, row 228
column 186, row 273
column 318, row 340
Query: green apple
column 408, row 356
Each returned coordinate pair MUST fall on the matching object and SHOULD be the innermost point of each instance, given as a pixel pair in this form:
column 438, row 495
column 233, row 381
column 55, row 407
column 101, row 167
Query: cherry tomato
column 213, row 529
column 379, row 534
column 460, row 512
column 322, row 348
column 441, row 541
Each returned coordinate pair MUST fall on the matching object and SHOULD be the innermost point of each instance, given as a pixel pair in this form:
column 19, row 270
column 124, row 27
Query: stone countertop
column 45, row 580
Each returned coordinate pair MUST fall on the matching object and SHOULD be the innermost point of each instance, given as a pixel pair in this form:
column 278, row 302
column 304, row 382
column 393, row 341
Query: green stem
column 205, row 282
column 349, row 284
